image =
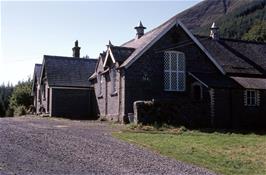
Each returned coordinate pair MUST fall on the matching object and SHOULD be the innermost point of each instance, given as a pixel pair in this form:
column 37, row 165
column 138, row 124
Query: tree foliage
column 247, row 22
column 5, row 93
column 257, row 32
column 21, row 98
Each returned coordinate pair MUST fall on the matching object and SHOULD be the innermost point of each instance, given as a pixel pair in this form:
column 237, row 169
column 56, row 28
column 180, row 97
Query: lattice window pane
column 166, row 61
column 174, row 81
column 166, row 80
column 173, row 62
column 181, row 81
column 174, row 71
column 181, row 62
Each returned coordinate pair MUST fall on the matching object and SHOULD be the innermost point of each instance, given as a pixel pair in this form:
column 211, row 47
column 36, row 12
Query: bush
column 10, row 112
column 20, row 110
column 21, row 98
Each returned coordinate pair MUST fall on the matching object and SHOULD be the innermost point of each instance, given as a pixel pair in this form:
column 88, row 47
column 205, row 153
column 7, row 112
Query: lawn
column 225, row 153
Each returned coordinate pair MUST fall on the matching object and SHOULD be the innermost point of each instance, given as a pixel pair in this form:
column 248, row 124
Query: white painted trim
column 256, row 97
column 109, row 52
column 198, row 80
column 177, row 22
column 81, row 88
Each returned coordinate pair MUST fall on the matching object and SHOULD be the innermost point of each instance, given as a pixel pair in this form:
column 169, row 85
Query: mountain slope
column 235, row 18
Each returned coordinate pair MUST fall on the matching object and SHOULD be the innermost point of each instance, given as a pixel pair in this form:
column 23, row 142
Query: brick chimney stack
column 76, row 50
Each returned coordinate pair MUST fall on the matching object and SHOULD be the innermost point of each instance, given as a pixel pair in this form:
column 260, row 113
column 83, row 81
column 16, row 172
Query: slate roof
column 68, row 71
column 236, row 56
column 214, row 80
column 251, row 83
column 140, row 44
column 231, row 57
column 36, row 76
column 37, row 72
column 121, row 53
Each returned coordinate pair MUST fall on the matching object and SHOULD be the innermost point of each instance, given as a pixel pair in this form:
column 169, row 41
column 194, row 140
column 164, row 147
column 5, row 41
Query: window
column 113, row 79
column 251, row 98
column 100, row 80
column 174, row 71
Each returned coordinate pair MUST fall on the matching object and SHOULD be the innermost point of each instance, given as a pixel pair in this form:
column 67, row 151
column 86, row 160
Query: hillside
column 239, row 19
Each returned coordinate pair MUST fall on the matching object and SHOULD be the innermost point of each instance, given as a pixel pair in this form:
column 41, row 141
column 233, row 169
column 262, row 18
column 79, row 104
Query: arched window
column 197, row 92
column 174, row 71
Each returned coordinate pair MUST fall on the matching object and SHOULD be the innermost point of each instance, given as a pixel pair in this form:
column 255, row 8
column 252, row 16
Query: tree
column 257, row 32
column 5, row 93
column 21, row 98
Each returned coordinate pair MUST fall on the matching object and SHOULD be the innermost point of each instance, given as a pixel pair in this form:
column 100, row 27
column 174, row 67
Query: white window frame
column 251, row 97
column 170, row 71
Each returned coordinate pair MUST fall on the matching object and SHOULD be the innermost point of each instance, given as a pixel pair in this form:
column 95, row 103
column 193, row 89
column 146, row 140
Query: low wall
column 186, row 113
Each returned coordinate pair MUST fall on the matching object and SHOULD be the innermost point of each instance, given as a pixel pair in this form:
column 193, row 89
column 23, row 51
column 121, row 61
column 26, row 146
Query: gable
column 176, row 39
column 156, row 35
column 237, row 57
column 117, row 54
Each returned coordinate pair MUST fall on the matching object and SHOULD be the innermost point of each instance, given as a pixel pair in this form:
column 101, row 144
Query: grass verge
column 226, row 153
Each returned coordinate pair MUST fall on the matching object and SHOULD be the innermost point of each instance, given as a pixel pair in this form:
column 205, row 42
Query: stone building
column 64, row 86
column 214, row 81
column 36, row 92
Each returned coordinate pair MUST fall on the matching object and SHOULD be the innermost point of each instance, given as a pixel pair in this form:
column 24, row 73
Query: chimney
column 214, row 32
column 76, row 50
column 140, row 30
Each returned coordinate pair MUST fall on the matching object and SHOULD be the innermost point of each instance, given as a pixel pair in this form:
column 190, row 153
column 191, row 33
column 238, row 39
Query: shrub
column 20, row 110
column 10, row 112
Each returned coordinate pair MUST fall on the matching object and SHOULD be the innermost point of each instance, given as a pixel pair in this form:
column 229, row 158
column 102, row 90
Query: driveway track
column 34, row 145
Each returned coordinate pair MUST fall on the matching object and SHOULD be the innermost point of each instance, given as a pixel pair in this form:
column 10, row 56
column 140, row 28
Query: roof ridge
column 68, row 58
column 233, row 40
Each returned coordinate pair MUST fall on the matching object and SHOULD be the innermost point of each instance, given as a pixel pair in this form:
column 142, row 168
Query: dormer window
column 174, row 71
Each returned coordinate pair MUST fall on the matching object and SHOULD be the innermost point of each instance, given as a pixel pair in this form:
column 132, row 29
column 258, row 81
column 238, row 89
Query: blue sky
column 30, row 30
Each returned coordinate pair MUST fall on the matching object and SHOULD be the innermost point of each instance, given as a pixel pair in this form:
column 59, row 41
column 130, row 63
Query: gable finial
column 110, row 43
column 214, row 32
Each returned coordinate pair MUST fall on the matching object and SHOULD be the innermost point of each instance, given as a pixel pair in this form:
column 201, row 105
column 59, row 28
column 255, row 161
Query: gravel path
column 39, row 146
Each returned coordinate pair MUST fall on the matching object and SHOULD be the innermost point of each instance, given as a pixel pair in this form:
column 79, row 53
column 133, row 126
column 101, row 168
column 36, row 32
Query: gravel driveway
column 32, row 145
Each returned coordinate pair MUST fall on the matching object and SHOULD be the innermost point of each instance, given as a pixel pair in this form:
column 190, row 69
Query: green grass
column 232, row 154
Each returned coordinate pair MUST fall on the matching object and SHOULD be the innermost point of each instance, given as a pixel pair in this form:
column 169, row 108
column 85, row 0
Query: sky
column 32, row 29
